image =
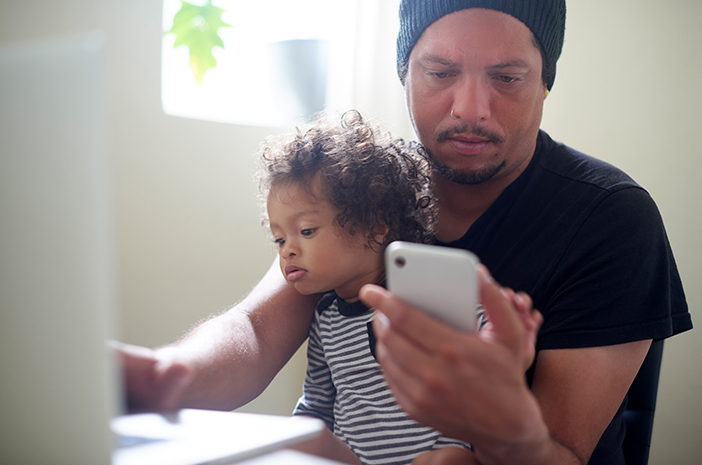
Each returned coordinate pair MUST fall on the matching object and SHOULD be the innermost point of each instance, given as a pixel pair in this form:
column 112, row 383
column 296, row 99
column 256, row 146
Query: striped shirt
column 344, row 386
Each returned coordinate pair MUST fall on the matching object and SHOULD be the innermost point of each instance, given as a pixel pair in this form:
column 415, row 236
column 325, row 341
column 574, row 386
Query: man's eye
column 440, row 74
column 308, row 232
column 506, row 79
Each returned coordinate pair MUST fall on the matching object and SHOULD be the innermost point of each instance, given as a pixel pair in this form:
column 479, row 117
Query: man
column 582, row 239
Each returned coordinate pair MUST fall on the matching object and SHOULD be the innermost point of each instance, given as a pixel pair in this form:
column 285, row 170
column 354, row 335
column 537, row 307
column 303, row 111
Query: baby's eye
column 308, row 232
column 279, row 242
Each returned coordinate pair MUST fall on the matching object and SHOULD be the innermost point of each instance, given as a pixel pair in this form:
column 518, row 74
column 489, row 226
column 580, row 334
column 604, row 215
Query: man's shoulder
column 566, row 164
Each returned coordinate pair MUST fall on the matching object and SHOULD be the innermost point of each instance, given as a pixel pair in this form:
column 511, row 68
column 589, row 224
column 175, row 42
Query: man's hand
column 469, row 386
column 154, row 380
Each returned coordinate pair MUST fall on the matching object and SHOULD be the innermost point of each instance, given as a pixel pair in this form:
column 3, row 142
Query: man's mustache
column 469, row 129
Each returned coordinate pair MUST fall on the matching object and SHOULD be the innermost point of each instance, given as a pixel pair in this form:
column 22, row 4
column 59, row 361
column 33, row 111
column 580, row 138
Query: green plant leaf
column 197, row 27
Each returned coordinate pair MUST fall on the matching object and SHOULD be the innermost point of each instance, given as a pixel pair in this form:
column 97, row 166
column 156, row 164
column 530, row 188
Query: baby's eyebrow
column 306, row 213
column 297, row 216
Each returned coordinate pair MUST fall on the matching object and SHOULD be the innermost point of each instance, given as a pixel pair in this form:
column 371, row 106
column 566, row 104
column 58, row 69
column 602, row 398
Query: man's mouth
column 469, row 145
column 469, row 140
column 473, row 135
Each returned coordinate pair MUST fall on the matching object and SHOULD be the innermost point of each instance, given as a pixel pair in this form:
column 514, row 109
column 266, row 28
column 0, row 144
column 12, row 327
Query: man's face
column 484, row 66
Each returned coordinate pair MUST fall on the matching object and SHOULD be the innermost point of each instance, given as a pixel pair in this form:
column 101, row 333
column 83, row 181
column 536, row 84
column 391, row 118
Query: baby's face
column 315, row 254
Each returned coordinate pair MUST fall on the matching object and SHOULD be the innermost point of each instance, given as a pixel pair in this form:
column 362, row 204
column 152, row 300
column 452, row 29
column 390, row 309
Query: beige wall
column 189, row 239
column 626, row 92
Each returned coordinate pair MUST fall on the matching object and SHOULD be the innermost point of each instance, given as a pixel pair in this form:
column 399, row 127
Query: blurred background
column 189, row 240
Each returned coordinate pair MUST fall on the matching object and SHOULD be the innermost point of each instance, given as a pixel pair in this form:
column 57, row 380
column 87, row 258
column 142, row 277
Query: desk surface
column 200, row 437
column 289, row 457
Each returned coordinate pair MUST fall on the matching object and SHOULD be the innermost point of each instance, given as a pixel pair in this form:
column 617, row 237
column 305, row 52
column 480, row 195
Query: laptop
column 59, row 387
column 203, row 436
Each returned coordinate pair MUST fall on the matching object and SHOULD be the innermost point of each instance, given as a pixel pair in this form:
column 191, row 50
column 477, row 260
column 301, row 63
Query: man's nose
column 471, row 102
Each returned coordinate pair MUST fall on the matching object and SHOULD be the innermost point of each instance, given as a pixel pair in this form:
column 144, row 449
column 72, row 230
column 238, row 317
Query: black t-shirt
column 588, row 245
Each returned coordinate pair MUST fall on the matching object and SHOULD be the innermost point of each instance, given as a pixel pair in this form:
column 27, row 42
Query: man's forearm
column 527, row 441
column 234, row 356
column 541, row 451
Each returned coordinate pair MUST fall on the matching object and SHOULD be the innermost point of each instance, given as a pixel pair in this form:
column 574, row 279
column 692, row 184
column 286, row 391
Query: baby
column 336, row 195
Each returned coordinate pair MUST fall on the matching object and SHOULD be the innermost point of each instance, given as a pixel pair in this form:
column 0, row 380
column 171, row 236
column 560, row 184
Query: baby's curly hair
column 371, row 179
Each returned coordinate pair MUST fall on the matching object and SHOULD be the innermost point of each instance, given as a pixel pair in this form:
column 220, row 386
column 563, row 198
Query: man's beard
column 466, row 177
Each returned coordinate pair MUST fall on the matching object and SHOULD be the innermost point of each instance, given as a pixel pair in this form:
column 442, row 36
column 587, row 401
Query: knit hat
column 545, row 19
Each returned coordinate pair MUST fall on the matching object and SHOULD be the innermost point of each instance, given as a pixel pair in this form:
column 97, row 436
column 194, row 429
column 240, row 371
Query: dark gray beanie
column 545, row 18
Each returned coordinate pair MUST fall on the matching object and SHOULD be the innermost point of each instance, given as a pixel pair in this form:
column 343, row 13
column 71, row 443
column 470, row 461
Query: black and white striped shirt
column 344, row 386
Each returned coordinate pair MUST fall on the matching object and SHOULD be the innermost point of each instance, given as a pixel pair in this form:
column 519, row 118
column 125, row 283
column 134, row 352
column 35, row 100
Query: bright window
column 281, row 61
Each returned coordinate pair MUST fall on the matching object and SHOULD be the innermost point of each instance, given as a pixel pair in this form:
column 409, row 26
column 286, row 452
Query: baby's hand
column 451, row 455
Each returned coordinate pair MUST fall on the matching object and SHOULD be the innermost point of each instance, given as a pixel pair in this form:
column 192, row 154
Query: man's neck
column 461, row 205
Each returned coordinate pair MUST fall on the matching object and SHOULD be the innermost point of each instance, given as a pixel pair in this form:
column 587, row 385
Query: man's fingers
column 398, row 380
column 420, row 328
column 394, row 347
column 373, row 296
column 401, row 358
column 172, row 380
column 537, row 318
column 130, row 354
column 406, row 346
column 154, row 380
column 523, row 302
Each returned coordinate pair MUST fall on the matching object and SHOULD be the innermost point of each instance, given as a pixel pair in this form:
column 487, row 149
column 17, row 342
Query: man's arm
column 472, row 386
column 228, row 360
column 580, row 390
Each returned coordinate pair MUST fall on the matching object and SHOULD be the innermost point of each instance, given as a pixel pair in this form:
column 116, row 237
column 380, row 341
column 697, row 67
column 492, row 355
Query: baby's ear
column 379, row 233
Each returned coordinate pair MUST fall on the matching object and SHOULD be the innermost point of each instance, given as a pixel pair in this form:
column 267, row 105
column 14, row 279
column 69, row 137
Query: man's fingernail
column 485, row 274
column 381, row 322
column 368, row 291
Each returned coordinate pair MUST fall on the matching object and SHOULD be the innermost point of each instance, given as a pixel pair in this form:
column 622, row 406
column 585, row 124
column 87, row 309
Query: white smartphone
column 441, row 281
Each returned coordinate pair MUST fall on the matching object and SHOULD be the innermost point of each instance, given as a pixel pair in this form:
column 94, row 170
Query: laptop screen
column 57, row 381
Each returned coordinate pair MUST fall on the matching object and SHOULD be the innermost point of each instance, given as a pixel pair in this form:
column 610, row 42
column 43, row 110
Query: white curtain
column 378, row 93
